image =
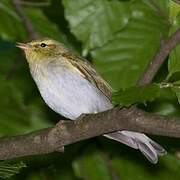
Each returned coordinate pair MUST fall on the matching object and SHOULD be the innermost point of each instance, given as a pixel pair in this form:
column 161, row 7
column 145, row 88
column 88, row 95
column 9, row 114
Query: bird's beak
column 23, row 46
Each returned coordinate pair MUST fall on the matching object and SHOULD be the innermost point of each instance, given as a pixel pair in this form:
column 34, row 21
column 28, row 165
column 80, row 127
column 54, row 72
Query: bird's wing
column 86, row 70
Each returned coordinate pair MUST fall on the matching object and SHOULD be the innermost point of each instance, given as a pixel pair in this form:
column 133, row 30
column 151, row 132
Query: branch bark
column 159, row 58
column 68, row 132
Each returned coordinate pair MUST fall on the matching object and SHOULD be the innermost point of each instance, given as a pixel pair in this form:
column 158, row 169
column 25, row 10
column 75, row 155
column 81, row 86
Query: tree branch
column 68, row 132
column 159, row 58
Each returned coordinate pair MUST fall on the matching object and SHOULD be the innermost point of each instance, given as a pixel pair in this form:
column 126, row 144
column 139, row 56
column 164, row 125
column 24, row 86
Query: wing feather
column 89, row 73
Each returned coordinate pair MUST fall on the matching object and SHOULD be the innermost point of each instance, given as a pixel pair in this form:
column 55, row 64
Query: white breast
column 68, row 93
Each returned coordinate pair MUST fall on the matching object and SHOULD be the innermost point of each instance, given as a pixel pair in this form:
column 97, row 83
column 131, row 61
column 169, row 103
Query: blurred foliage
column 120, row 37
column 8, row 170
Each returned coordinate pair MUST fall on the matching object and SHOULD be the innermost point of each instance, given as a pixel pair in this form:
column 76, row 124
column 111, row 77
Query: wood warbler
column 71, row 86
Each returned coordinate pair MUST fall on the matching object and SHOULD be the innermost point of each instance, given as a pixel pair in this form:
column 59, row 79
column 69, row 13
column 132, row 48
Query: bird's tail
column 139, row 141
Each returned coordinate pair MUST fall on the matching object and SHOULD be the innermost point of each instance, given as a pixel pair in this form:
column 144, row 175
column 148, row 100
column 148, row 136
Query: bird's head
column 41, row 49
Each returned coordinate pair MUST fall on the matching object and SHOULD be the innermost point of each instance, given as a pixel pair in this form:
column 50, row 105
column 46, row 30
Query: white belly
column 70, row 95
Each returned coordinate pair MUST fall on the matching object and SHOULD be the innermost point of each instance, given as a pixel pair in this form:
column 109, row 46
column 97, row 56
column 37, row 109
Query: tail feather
column 140, row 141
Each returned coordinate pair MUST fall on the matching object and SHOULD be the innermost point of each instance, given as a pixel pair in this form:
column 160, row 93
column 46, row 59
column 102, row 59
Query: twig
column 159, row 58
column 25, row 20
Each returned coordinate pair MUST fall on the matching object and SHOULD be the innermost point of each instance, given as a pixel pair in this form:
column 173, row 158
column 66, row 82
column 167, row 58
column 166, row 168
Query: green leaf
column 91, row 165
column 7, row 170
column 136, row 95
column 123, row 59
column 175, row 87
column 95, row 22
column 174, row 10
column 166, row 103
column 161, row 6
column 174, row 58
column 177, row 92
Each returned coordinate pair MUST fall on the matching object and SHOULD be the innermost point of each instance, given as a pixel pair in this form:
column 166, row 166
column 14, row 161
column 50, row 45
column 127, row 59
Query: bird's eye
column 43, row 45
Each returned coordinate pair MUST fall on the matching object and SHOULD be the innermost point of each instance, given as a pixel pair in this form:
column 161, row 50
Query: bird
column 70, row 85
